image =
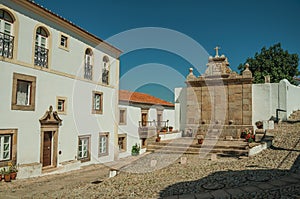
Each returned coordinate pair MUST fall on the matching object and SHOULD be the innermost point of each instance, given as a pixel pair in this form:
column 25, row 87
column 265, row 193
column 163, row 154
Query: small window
column 103, row 144
column 84, row 148
column 122, row 142
column 64, row 41
column 97, row 102
column 122, row 120
column 5, row 147
column 23, row 96
column 61, row 105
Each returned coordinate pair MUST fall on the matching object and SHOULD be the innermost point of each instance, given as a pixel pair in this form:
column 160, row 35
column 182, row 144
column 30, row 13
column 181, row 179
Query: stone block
column 259, row 137
column 153, row 163
column 183, row 160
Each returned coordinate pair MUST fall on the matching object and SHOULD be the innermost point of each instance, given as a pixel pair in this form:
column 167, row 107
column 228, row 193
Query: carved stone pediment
column 50, row 117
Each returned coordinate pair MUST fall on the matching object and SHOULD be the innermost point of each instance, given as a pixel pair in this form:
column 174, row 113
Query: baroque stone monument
column 219, row 102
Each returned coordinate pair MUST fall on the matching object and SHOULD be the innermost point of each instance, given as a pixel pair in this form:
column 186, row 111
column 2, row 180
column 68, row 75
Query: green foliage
column 274, row 61
column 135, row 149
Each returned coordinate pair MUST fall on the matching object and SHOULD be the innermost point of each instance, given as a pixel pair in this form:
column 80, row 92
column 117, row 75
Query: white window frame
column 8, row 149
column 103, row 145
column 86, row 144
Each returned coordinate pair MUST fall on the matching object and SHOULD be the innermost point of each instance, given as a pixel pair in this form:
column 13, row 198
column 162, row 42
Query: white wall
column 133, row 116
column 77, row 121
column 265, row 101
column 180, row 108
column 292, row 96
column 266, row 98
column 55, row 81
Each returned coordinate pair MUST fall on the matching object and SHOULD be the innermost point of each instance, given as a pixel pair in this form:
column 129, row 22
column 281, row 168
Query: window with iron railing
column 6, row 45
column 88, row 67
column 41, row 51
column 6, row 38
column 41, row 56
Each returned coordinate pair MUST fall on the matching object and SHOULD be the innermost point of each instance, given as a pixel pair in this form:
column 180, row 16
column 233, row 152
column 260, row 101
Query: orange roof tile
column 142, row 98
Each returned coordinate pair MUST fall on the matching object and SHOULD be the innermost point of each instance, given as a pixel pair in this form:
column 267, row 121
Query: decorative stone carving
column 191, row 76
column 51, row 117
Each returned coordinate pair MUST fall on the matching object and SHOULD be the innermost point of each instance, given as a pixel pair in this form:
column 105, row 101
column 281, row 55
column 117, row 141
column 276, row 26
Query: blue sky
column 240, row 28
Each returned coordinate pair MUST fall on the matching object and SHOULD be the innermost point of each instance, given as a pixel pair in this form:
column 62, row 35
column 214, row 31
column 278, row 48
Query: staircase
column 231, row 148
column 294, row 117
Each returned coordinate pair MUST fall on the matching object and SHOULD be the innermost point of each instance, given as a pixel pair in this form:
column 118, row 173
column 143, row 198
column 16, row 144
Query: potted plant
column 6, row 174
column 13, row 171
column 135, row 150
column 164, row 129
column 170, row 128
column 259, row 124
column 200, row 139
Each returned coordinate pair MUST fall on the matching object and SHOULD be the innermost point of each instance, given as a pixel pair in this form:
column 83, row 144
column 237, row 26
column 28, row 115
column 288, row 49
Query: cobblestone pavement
column 274, row 173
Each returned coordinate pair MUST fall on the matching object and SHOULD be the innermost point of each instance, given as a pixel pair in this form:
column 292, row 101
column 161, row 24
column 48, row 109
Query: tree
column 276, row 62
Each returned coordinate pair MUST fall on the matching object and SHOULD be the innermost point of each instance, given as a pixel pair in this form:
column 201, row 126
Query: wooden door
column 47, row 148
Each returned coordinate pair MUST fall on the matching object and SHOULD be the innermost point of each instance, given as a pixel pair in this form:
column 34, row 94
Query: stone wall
column 219, row 97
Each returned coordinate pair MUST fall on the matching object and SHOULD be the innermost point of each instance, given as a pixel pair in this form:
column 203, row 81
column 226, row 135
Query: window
column 122, row 142
column 105, row 70
column 88, row 67
column 97, row 102
column 41, row 51
column 23, row 94
column 6, row 38
column 61, row 105
column 122, row 119
column 64, row 41
column 84, row 148
column 8, row 146
column 5, row 147
column 103, row 144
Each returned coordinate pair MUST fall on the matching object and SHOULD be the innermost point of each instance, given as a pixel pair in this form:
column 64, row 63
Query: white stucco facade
column 63, row 77
column 133, row 122
column 271, row 96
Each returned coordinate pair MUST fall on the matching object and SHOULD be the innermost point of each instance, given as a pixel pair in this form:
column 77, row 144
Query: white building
column 46, row 61
column 140, row 117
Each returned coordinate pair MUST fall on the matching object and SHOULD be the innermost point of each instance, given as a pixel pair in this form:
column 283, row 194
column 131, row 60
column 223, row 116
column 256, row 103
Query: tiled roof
column 142, row 98
column 38, row 6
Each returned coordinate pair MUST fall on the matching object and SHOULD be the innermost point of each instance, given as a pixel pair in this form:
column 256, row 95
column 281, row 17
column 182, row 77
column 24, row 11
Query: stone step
column 193, row 149
column 198, row 146
column 221, row 153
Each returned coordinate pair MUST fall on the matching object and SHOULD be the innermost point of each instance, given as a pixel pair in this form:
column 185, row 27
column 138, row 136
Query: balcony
column 6, row 45
column 41, row 56
column 149, row 129
column 88, row 71
column 105, row 74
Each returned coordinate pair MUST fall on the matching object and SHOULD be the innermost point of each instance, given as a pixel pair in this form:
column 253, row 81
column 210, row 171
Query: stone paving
column 274, row 173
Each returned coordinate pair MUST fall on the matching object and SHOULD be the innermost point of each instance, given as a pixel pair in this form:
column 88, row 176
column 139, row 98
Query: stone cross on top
column 217, row 48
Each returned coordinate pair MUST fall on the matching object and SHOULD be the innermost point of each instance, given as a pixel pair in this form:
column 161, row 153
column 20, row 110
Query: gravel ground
column 157, row 175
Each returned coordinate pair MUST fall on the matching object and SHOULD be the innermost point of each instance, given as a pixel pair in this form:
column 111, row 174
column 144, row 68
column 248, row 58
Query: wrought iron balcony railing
column 41, row 56
column 105, row 74
column 6, row 45
column 158, row 124
column 88, row 71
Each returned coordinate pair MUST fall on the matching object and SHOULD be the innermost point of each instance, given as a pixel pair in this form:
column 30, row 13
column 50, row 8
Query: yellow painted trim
column 15, row 29
column 68, row 42
column 65, row 99
column 55, row 72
